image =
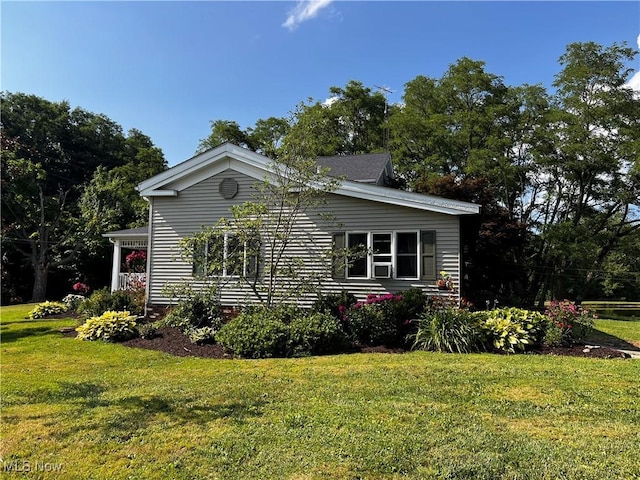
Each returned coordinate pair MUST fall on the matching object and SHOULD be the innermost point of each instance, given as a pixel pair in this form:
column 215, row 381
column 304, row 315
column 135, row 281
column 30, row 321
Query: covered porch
column 129, row 267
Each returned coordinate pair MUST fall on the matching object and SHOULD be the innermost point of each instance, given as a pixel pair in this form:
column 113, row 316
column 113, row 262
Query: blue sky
column 169, row 68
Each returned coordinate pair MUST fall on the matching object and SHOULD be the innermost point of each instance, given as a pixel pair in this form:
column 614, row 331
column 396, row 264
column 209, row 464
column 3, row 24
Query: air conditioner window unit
column 382, row 271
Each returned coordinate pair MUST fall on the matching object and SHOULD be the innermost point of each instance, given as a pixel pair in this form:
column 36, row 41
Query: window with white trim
column 225, row 255
column 402, row 255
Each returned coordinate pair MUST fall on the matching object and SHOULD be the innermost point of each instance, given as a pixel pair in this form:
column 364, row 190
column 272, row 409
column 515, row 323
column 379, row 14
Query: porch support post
column 115, row 267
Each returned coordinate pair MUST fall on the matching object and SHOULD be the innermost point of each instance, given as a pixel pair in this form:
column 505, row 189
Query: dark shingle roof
column 129, row 232
column 367, row 168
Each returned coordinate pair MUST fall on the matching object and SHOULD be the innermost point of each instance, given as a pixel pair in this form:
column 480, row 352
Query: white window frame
column 393, row 264
column 225, row 256
column 367, row 276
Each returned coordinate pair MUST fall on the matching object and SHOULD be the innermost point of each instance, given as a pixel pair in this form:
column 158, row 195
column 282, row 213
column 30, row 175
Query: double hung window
column 224, row 255
column 403, row 255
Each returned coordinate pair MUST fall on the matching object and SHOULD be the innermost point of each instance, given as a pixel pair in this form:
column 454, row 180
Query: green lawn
column 104, row 411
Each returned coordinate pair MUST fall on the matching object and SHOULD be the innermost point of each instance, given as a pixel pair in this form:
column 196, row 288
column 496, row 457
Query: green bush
column 111, row 326
column 260, row 332
column 369, row 324
column 256, row 333
column 104, row 300
column 197, row 309
column 568, row 323
column 450, row 330
column 316, row 334
column 147, row 330
column 334, row 304
column 46, row 309
column 511, row 329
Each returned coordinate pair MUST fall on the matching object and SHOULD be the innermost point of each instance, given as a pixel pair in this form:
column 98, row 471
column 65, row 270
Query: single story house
column 405, row 238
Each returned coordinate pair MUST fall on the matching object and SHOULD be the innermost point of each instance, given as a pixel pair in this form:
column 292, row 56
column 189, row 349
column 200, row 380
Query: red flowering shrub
column 568, row 323
column 81, row 288
column 136, row 261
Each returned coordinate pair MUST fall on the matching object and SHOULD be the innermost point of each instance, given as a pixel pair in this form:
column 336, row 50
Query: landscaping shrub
column 256, row 333
column 315, row 334
column 202, row 335
column 568, row 323
column 449, row 329
column 104, row 300
column 197, row 309
column 511, row 329
column 334, row 304
column 147, row 330
column 45, row 309
column 383, row 319
column 369, row 324
column 111, row 326
column 73, row 301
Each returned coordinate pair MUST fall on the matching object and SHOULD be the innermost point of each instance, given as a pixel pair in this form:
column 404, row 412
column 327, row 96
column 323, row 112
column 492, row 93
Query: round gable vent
column 228, row 188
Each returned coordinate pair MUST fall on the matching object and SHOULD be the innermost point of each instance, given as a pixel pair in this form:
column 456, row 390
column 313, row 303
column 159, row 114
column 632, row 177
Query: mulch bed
column 171, row 340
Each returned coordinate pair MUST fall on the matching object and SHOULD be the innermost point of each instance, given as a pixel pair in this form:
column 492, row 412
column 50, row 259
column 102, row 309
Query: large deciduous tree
column 49, row 153
column 590, row 187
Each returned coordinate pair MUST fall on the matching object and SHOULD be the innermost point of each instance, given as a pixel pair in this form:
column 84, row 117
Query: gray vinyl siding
column 201, row 204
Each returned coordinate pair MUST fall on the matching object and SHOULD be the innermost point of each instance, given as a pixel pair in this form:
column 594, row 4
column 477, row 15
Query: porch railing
column 131, row 280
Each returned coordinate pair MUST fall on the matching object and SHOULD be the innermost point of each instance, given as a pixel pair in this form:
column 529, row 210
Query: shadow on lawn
column 597, row 337
column 120, row 419
column 11, row 334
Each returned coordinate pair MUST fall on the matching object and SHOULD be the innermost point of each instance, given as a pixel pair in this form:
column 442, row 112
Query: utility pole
column 385, row 129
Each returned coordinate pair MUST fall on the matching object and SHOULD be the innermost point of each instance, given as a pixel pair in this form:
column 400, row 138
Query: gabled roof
column 373, row 168
column 229, row 156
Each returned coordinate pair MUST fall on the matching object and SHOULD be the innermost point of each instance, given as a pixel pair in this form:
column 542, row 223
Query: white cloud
column 330, row 101
column 634, row 83
column 303, row 11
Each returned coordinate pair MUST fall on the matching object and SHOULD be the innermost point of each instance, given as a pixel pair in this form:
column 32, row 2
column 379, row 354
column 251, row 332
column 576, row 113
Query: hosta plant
column 73, row 301
column 201, row 335
column 512, row 329
column 111, row 326
column 46, row 309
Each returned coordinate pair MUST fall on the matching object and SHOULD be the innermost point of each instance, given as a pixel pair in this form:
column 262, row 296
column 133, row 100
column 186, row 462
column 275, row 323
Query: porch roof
column 128, row 234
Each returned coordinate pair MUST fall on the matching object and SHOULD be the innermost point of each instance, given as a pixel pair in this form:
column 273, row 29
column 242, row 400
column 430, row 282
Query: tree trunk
column 41, row 273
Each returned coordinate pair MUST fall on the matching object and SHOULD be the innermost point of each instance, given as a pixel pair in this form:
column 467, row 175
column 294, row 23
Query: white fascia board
column 195, row 169
column 158, row 193
column 407, row 199
column 200, row 161
column 220, row 166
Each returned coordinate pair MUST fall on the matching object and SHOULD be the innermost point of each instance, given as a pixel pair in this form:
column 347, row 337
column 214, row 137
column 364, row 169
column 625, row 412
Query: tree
column 467, row 136
column 350, row 122
column 36, row 223
column 225, row 131
column 49, row 153
column 257, row 243
column 590, row 199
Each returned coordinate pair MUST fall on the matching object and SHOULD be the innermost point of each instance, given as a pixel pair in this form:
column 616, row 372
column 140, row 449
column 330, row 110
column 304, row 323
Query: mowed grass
column 104, row 411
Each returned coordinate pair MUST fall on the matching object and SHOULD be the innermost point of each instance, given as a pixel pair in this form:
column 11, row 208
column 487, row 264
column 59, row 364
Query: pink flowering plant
column 568, row 323
column 81, row 288
column 381, row 319
column 136, row 261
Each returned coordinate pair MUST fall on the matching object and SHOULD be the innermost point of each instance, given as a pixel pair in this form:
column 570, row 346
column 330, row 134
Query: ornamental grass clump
column 111, row 326
column 450, row 330
column 568, row 323
column 46, row 309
